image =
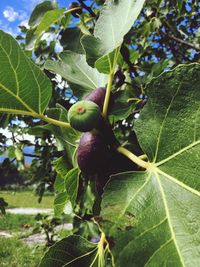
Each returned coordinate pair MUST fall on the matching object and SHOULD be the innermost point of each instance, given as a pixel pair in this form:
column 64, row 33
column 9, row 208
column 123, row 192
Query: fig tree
column 84, row 115
column 91, row 152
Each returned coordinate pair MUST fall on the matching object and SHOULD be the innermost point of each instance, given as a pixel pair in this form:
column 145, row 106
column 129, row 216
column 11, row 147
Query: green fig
column 84, row 115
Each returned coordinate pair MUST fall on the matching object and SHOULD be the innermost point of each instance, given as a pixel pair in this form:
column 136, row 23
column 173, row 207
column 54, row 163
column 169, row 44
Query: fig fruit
column 91, row 152
column 119, row 79
column 97, row 96
column 84, row 115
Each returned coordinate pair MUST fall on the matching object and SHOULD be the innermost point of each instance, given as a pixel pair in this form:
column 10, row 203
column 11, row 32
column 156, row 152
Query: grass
column 14, row 253
column 16, row 222
column 26, row 199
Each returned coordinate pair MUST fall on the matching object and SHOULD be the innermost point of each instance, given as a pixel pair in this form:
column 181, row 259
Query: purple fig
column 97, row 96
column 91, row 152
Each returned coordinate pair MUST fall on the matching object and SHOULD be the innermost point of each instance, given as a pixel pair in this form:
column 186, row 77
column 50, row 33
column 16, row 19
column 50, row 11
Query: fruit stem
column 133, row 157
column 110, row 79
column 108, row 91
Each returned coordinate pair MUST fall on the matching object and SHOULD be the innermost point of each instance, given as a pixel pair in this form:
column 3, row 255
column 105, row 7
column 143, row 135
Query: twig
column 87, row 8
column 196, row 47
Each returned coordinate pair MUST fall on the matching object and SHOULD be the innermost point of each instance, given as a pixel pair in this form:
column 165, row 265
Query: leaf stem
column 37, row 115
column 53, row 121
column 144, row 156
column 133, row 157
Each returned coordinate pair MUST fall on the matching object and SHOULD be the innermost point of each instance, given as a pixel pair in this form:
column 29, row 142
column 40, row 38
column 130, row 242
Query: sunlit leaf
column 39, row 11
column 154, row 215
column 24, row 89
column 115, row 20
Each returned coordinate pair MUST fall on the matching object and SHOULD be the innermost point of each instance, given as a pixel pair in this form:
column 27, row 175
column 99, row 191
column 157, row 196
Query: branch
column 31, row 155
column 196, row 47
column 53, row 155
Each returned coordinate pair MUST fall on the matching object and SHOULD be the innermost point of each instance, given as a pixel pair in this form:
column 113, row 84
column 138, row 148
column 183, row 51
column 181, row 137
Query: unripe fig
column 91, row 152
column 97, row 96
column 84, row 115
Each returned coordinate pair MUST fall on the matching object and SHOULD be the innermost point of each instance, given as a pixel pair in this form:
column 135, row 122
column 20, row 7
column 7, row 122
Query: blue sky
column 16, row 12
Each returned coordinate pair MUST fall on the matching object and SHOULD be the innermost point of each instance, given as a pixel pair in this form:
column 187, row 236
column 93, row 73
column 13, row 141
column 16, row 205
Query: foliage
column 46, row 224
column 141, row 208
column 10, row 176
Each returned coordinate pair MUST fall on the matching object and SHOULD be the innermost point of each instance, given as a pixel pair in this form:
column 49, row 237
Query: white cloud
column 10, row 14
column 22, row 15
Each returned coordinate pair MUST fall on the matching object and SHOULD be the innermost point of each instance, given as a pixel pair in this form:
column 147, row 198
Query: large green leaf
column 60, row 202
column 72, row 251
column 39, row 12
column 72, row 182
column 75, row 69
column 115, row 20
column 67, row 190
column 24, row 89
column 154, row 215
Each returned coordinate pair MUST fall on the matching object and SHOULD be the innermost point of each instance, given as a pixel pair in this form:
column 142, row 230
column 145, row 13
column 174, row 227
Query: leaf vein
column 155, row 252
column 164, row 120
column 169, row 218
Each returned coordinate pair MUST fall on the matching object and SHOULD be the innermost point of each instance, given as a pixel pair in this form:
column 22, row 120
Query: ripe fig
column 78, row 12
column 91, row 152
column 84, row 115
column 97, row 96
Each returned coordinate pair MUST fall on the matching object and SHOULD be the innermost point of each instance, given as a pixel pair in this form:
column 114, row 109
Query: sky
column 17, row 12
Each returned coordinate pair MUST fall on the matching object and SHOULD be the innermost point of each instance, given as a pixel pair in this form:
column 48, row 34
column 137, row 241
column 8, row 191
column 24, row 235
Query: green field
column 14, row 253
column 16, row 222
column 26, row 199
